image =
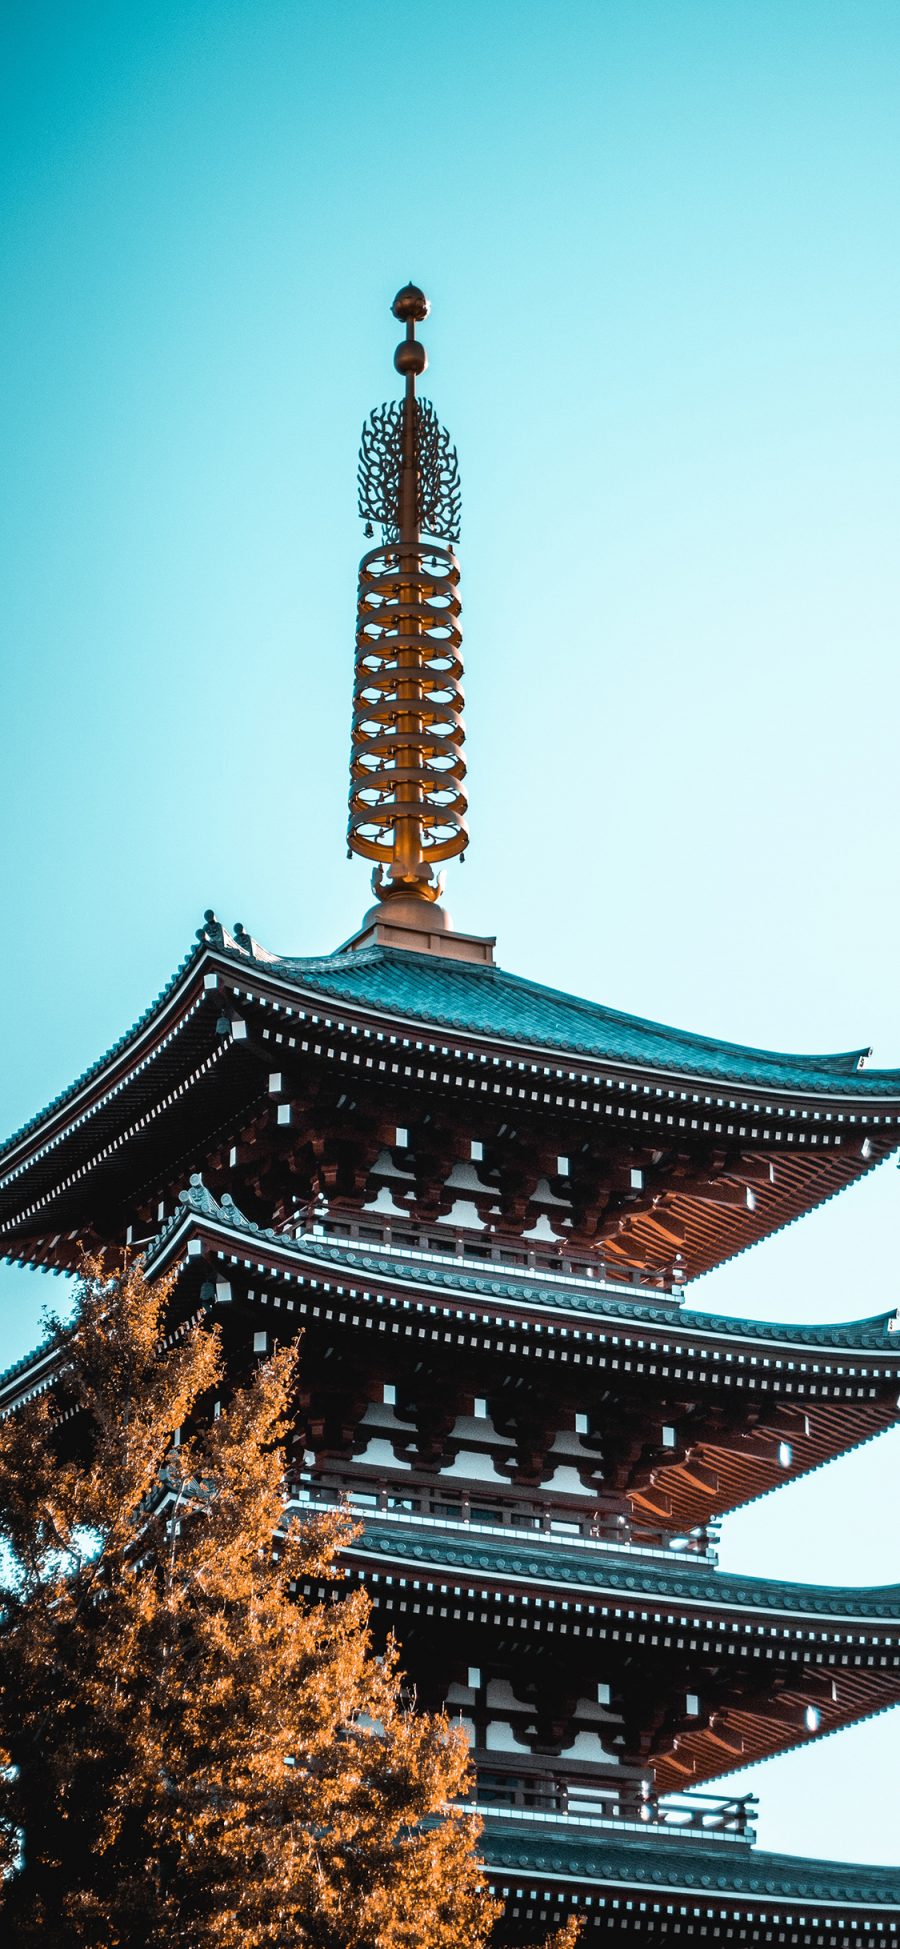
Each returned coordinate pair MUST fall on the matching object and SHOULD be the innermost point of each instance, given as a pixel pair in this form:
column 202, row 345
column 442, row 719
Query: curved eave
column 781, row 1078
column 136, row 1045
column 145, row 1112
column 658, row 1870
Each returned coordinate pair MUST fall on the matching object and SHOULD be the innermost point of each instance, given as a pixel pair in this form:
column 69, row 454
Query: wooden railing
column 538, row 1795
column 558, row 1258
column 440, row 1504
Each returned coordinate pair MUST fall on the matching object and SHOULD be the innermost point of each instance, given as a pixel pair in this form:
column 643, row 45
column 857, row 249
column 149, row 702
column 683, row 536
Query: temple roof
column 728, row 1143
column 677, row 1579
column 489, row 1002
column 663, row 1865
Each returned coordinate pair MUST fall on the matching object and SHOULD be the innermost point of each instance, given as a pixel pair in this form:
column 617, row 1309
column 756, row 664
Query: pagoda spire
column 407, row 804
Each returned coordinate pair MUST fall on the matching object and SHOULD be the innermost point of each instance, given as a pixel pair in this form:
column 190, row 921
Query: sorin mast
column 407, row 805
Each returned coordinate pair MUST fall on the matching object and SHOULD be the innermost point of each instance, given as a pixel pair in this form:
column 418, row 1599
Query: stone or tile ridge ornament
column 198, row 1199
column 211, row 933
column 407, row 804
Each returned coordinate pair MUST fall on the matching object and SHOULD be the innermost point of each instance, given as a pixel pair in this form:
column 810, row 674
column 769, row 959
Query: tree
column 190, row 1752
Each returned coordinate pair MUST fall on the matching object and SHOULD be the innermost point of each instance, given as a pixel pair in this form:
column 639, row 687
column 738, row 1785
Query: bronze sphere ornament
column 411, row 305
column 407, row 805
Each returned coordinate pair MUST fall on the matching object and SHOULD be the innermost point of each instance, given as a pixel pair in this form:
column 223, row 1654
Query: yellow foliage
column 186, row 1743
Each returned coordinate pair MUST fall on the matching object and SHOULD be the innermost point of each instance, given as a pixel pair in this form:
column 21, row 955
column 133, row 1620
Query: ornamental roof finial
column 407, row 806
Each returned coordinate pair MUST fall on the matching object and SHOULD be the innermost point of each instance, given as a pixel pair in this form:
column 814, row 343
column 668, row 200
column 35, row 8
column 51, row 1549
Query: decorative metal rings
column 407, row 806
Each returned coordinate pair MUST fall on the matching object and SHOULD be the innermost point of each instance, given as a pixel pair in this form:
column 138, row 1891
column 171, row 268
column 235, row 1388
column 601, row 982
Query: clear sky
column 661, row 245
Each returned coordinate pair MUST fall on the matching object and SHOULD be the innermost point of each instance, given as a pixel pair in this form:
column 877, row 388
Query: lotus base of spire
column 397, row 885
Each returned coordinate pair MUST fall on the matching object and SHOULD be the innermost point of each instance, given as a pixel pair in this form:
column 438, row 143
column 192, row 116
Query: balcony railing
column 440, row 1506
column 557, row 1798
column 553, row 1260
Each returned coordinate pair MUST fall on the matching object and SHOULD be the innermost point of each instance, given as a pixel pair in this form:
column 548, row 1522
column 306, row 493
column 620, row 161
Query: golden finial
column 407, row 806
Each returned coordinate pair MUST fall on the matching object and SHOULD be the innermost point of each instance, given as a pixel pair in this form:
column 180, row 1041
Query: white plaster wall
column 500, row 1738
column 588, row 1746
column 378, row 1454
column 472, row 1467
column 567, row 1483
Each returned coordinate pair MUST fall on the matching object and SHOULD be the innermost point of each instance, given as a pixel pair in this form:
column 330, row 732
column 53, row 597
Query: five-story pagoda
column 481, row 1200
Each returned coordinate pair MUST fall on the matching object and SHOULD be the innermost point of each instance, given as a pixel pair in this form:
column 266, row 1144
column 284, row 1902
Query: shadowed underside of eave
column 705, row 1232
column 755, row 1702
column 746, row 1737
column 715, row 1480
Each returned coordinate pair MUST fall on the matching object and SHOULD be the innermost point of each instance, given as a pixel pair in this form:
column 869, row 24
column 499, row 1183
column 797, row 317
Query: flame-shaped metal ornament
column 407, row 806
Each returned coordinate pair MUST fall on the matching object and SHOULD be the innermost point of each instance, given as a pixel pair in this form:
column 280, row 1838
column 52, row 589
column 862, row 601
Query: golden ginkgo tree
column 191, row 1752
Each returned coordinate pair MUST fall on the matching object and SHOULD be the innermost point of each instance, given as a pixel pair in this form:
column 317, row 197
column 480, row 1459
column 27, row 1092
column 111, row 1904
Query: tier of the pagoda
column 445, row 1092
column 664, row 1417
column 681, row 1414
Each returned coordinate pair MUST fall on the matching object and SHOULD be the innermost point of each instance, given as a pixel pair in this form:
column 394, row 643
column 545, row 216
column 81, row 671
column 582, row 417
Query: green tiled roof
column 659, row 1862
column 487, row 1001
column 627, row 1576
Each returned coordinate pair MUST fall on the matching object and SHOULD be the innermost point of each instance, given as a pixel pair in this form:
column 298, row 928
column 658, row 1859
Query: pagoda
column 482, row 1201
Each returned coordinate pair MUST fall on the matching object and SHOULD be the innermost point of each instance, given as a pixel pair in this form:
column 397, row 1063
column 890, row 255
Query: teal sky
column 661, row 246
